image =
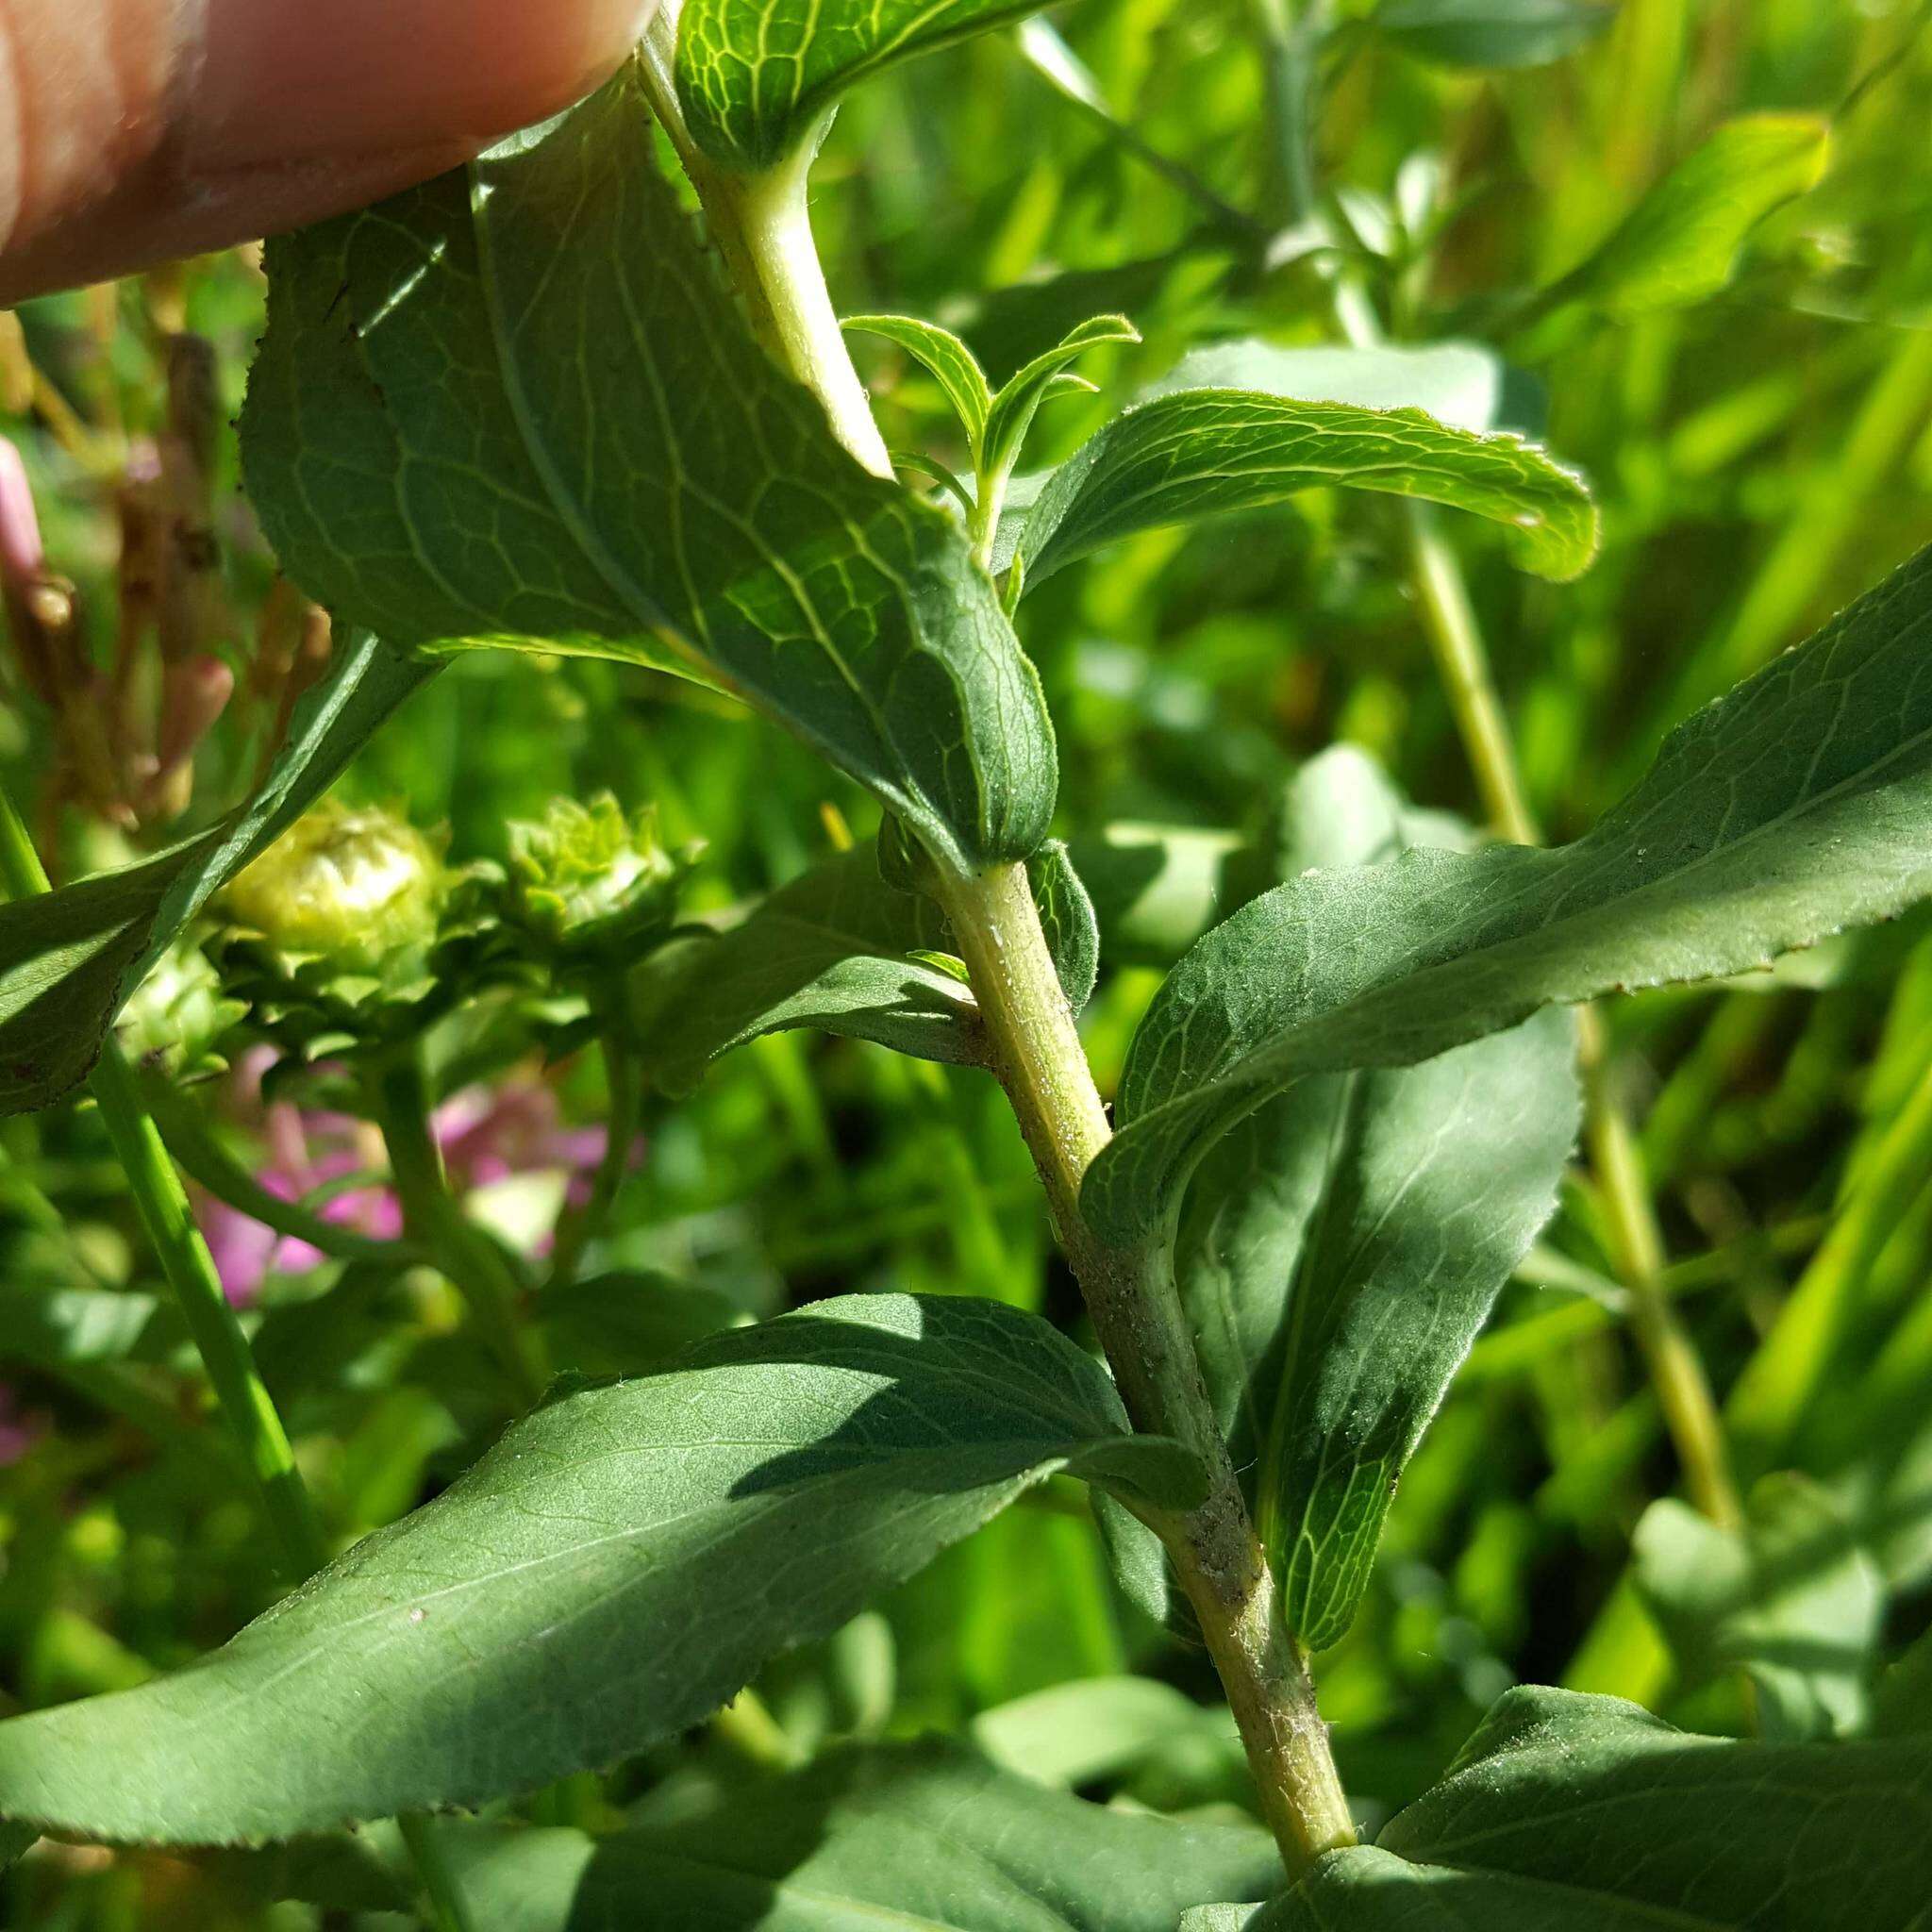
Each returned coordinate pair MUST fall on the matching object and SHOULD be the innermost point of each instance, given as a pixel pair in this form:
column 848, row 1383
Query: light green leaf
column 1074, row 1733
column 1798, row 805
column 71, row 959
column 1462, row 384
column 1680, row 244
column 615, row 1567
column 917, row 1838
column 52, row 1324
column 1156, row 888
column 1493, row 33
column 1193, row 453
column 1018, row 400
column 834, row 950
column 939, row 351
column 1067, row 915
column 1792, row 1598
column 518, row 406
column 1341, row 1248
column 755, row 75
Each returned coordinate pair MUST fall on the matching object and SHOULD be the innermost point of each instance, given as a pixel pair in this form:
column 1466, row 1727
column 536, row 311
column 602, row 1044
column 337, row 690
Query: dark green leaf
column 755, row 75
column 1792, row 1598
column 622, row 1323
column 1073, row 1733
column 836, row 950
column 614, row 1568
column 1073, row 932
column 920, row 1837
column 70, row 960
column 1680, row 244
column 1590, row 1813
column 1193, row 452
column 1462, row 384
column 1902, row 1705
column 1341, row 1248
column 1795, row 806
column 518, row 406
column 1493, row 33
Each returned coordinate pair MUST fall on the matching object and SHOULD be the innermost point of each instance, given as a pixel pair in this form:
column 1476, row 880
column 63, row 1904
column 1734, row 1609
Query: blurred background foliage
column 1760, row 457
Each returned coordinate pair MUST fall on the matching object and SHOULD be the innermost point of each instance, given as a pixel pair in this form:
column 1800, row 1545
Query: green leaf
column 71, row 959
column 53, row 1326
column 1493, row 33
column 1074, row 1733
column 1066, row 913
column 1680, row 244
column 755, row 75
column 621, row 1323
column 1018, row 400
column 1193, row 453
column 1901, row 1704
column 834, row 950
column 519, row 405
column 1462, row 384
column 1590, row 1814
column 16, row 1840
column 922, row 1837
column 1156, row 888
column 1341, row 1248
column 1791, row 1598
column 615, row 1567
column 1795, row 806
column 948, row 359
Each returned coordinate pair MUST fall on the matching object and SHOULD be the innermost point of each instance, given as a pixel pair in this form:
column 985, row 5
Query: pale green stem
column 246, row 1405
column 762, row 225
column 1039, row 1058
column 401, row 1103
column 1137, row 1316
column 580, row 1228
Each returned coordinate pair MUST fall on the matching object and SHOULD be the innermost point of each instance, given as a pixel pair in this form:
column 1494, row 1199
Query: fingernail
column 288, row 81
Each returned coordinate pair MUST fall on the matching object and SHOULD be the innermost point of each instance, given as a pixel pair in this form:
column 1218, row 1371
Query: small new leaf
column 946, row 357
column 1194, row 453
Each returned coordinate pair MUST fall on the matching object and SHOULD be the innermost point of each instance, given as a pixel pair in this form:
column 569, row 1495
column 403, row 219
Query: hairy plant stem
column 401, row 1102
column 246, row 1405
column 1038, row 1057
column 761, row 226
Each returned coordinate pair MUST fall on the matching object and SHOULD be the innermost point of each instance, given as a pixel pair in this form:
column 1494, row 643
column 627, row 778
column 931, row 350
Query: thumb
column 135, row 130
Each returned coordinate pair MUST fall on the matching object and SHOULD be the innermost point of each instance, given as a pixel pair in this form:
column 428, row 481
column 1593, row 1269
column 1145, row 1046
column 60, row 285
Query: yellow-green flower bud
column 350, row 885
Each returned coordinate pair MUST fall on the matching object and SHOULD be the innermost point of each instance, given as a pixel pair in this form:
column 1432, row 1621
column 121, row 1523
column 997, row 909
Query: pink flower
column 486, row 1135
column 18, row 1432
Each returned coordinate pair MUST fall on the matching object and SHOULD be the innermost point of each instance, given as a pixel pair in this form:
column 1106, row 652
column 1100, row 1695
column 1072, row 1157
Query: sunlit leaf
column 518, row 406
column 614, row 1568
column 1795, row 806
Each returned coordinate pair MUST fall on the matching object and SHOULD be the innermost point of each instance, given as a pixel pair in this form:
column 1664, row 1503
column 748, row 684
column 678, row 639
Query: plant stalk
column 762, row 227
column 402, row 1103
column 1038, row 1057
column 246, row 1405
column 582, row 1227
column 761, row 224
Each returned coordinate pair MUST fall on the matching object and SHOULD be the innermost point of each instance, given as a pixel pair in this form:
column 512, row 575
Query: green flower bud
column 351, row 886
column 179, row 1013
column 588, row 882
